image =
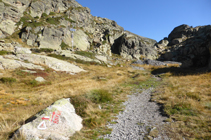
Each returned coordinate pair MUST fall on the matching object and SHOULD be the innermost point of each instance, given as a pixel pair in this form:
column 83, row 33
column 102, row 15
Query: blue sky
column 152, row 18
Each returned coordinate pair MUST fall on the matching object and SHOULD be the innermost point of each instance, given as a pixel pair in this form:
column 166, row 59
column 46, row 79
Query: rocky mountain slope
column 47, row 24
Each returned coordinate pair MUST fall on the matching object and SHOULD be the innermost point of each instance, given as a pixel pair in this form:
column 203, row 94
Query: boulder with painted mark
column 58, row 122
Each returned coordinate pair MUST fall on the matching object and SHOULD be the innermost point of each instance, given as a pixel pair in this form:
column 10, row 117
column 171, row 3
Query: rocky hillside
column 47, row 24
column 187, row 45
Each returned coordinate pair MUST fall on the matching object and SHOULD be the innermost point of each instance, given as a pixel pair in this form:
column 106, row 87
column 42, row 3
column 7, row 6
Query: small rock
column 40, row 79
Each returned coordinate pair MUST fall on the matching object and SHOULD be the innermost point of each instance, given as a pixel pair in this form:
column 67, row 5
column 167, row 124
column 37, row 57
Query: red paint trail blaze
column 55, row 117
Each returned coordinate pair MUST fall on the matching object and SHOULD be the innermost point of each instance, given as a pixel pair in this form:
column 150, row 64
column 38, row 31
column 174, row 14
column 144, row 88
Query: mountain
column 47, row 24
column 53, row 23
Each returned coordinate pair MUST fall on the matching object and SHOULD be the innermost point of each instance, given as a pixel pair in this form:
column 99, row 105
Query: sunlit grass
column 24, row 98
column 187, row 100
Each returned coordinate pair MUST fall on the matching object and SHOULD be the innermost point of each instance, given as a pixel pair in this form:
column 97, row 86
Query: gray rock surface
column 139, row 118
column 101, row 58
column 14, row 64
column 130, row 45
column 10, row 13
column 56, row 64
column 187, row 45
column 58, row 122
column 156, row 62
column 80, row 40
column 40, row 79
column 21, row 50
column 69, row 54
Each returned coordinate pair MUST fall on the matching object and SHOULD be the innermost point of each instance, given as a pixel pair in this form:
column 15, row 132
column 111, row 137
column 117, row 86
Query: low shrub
column 54, row 21
column 100, row 96
column 8, row 80
column 64, row 46
column 44, row 15
column 87, row 54
column 80, row 103
column 4, row 52
column 46, row 50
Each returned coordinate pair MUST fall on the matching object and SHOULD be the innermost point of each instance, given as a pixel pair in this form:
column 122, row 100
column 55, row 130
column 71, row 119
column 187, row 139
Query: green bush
column 4, row 52
column 54, row 21
column 44, row 15
column 52, row 13
column 8, row 80
column 59, row 57
column 46, row 50
column 87, row 54
column 80, row 103
column 100, row 96
column 64, row 46
column 33, row 83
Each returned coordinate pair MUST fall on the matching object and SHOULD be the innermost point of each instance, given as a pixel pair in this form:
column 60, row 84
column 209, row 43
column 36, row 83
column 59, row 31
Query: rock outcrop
column 131, row 46
column 61, row 24
column 8, row 63
column 58, row 122
column 10, row 13
column 57, row 65
column 187, row 45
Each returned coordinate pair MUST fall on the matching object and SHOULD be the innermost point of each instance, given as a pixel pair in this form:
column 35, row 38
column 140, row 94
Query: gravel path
column 140, row 120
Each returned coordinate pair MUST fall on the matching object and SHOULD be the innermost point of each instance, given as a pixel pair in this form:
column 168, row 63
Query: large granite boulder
column 80, row 40
column 187, row 45
column 57, row 122
column 51, row 38
column 130, row 46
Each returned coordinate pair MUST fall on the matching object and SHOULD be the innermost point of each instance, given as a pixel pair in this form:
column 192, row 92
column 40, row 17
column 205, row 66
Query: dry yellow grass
column 24, row 98
column 187, row 100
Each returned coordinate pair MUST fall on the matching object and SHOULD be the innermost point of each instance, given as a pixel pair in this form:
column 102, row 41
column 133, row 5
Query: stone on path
column 57, row 122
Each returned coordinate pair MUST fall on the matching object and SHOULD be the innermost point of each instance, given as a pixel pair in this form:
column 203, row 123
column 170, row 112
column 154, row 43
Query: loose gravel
column 141, row 119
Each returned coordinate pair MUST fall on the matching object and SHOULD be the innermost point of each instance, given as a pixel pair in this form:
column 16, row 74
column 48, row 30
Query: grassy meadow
column 98, row 93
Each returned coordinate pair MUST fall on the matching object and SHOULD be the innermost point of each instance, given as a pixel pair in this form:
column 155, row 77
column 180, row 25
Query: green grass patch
column 52, row 13
column 104, row 42
column 28, row 20
column 34, row 83
column 54, row 21
column 74, row 60
column 95, row 118
column 46, row 50
column 86, row 54
column 8, row 80
column 44, row 15
column 5, row 52
column 64, row 46
column 100, row 96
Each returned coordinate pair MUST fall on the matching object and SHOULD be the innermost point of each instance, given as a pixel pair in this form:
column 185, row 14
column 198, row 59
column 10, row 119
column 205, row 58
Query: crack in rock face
column 141, row 119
